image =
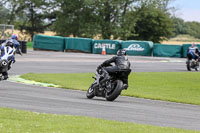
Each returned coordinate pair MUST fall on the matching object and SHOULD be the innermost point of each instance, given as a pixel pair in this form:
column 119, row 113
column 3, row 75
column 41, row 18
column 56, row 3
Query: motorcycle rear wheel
column 111, row 96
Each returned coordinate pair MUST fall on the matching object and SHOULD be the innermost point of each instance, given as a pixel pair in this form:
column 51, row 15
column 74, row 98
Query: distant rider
column 121, row 63
column 193, row 52
column 14, row 37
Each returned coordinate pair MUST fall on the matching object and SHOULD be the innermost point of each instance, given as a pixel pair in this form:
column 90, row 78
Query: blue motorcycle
column 7, row 52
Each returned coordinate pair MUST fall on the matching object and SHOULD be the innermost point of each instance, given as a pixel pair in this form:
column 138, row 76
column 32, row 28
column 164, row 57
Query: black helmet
column 121, row 52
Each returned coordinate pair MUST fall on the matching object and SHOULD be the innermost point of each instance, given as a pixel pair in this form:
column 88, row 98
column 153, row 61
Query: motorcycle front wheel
column 90, row 92
column 188, row 66
column 197, row 69
column 117, row 88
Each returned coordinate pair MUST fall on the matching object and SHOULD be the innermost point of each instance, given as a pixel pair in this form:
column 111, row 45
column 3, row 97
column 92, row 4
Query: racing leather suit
column 193, row 52
column 121, row 63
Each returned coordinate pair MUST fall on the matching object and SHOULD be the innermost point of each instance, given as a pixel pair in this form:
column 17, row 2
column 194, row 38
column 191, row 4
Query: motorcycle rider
column 121, row 63
column 15, row 43
column 14, row 37
column 193, row 52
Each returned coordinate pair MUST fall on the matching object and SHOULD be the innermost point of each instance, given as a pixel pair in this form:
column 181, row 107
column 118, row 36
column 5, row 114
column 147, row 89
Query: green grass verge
column 181, row 87
column 16, row 121
column 184, row 38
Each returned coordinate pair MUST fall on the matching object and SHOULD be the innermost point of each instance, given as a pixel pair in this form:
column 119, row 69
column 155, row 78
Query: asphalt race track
column 70, row 102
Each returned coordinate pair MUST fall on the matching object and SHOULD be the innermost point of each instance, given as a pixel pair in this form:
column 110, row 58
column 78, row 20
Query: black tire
column 90, row 92
column 1, row 78
column 188, row 66
column 116, row 92
column 197, row 69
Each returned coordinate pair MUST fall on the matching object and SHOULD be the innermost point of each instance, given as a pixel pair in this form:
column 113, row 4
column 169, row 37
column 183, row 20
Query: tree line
column 117, row 19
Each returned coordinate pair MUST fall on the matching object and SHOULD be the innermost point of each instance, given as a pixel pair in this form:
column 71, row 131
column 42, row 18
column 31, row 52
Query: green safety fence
column 112, row 46
column 165, row 50
column 185, row 48
column 48, row 42
column 29, row 44
column 133, row 47
column 79, row 44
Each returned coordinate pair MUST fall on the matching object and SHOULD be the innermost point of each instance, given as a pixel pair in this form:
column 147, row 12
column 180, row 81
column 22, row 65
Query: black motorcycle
column 109, row 90
column 192, row 64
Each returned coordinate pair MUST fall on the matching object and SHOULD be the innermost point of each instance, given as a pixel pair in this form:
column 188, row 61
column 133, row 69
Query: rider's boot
column 125, row 85
column 197, row 63
column 13, row 59
column 104, row 80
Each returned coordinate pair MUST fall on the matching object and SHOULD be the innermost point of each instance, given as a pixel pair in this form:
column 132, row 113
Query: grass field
column 183, row 87
column 16, row 121
column 182, row 39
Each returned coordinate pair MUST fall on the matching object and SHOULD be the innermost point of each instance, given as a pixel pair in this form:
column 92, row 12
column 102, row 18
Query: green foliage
column 109, row 14
column 75, row 18
column 114, row 19
column 161, row 4
column 35, row 11
column 184, row 38
column 29, row 15
column 193, row 29
column 153, row 24
column 127, row 26
column 3, row 13
column 91, row 18
column 170, row 86
column 17, row 121
column 180, row 26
